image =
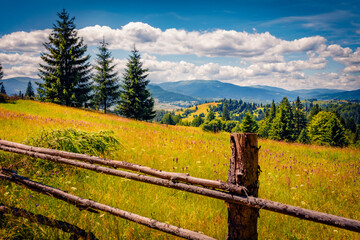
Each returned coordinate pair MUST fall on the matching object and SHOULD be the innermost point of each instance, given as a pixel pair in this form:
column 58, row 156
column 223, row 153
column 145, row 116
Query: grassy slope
column 319, row 178
column 202, row 108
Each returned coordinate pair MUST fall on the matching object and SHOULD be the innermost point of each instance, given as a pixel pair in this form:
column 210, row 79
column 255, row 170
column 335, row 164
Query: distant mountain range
column 200, row 90
column 212, row 89
column 15, row 85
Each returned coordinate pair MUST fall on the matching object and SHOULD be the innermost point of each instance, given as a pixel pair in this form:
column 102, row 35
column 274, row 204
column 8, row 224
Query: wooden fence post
column 244, row 171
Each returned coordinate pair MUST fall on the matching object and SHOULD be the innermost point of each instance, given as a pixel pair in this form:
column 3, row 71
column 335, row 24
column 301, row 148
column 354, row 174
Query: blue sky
column 289, row 44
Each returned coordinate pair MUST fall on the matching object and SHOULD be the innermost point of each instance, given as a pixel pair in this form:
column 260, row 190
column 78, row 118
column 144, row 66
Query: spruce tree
column 135, row 99
column 282, row 127
column 314, row 110
column 106, row 86
column 299, row 117
column 326, row 129
column 66, row 68
column 272, row 111
column 1, row 72
column 210, row 116
column 29, row 91
column 225, row 113
column 304, row 136
column 248, row 124
column 2, row 89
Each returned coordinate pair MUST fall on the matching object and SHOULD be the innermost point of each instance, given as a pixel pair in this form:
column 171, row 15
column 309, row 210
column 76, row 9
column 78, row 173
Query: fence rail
column 230, row 192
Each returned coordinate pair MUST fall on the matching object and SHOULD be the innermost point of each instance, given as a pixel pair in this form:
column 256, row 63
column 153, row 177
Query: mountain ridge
column 202, row 90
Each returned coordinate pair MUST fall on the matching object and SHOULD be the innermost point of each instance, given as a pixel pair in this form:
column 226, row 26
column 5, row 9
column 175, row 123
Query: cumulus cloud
column 217, row 43
column 24, row 41
column 264, row 58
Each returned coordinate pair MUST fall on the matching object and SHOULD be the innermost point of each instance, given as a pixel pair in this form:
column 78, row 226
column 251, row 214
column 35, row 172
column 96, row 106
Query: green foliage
column 2, row 89
column 264, row 127
column 346, row 110
column 325, row 129
column 135, row 99
column 1, row 72
column 197, row 121
column 187, row 112
column 29, row 91
column 228, row 126
column 233, row 109
column 236, row 129
column 214, row 125
column 66, row 70
column 210, row 116
column 106, row 86
column 314, row 110
column 350, row 124
column 248, row 124
column 225, row 113
column 272, row 112
column 304, row 136
column 170, row 119
column 4, row 98
column 299, row 118
column 282, row 127
column 77, row 141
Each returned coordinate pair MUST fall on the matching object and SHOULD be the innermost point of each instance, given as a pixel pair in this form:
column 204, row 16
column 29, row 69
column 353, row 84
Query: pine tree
column 299, row 117
column 106, row 87
column 282, row 127
column 325, row 128
column 304, row 136
column 29, row 91
column 272, row 110
column 2, row 89
column 135, row 99
column 350, row 124
column 66, row 70
column 1, row 72
column 248, row 124
column 225, row 113
column 197, row 121
column 210, row 116
column 314, row 110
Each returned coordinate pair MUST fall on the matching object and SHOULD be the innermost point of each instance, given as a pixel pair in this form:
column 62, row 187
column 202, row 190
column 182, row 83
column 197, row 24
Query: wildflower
column 36, row 205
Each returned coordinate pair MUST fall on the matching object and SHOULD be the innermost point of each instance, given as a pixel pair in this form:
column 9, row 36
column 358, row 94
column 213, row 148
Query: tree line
column 288, row 121
column 68, row 78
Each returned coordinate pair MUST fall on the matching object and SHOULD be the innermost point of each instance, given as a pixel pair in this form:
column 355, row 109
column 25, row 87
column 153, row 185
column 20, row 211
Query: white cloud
column 24, row 41
column 264, row 58
column 18, row 59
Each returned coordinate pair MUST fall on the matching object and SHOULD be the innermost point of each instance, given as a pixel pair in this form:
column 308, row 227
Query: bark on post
column 244, row 171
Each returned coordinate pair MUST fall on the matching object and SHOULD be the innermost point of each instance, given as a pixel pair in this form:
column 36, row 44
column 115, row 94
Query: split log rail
column 240, row 192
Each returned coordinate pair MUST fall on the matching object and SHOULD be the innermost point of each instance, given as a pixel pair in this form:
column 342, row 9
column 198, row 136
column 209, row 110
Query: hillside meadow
column 315, row 177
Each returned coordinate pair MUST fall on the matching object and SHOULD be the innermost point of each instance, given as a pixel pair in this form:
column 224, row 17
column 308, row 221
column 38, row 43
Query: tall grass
column 319, row 178
column 77, row 141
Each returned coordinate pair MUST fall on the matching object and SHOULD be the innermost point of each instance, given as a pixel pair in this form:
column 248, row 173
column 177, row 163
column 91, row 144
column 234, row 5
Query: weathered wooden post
column 244, row 171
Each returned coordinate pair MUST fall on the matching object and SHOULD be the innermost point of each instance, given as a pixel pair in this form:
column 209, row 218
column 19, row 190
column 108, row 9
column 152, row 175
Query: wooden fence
column 240, row 192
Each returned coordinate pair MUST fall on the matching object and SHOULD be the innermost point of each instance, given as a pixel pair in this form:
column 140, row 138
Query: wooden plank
column 302, row 213
column 183, row 177
column 37, row 218
column 90, row 204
